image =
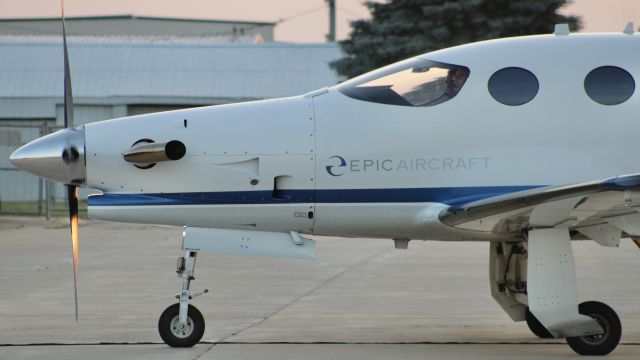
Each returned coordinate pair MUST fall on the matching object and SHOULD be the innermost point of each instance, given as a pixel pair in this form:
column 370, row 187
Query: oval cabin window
column 609, row 85
column 513, row 86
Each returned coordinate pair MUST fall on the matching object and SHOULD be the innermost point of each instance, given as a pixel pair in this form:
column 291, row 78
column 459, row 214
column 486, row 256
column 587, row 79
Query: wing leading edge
column 601, row 210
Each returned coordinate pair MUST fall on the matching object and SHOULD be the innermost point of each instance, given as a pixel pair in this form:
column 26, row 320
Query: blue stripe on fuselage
column 446, row 195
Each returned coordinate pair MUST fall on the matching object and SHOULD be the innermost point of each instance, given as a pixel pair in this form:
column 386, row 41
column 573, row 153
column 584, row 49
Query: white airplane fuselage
column 328, row 164
column 527, row 142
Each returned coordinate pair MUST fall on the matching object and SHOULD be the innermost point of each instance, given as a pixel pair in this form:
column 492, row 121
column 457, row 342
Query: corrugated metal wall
column 183, row 70
column 119, row 78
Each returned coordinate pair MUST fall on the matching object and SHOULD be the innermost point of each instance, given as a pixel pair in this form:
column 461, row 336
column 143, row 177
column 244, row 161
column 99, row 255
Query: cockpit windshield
column 416, row 82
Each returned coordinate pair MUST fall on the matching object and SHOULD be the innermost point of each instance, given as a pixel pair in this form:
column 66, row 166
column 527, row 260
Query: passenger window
column 609, row 85
column 513, row 86
column 416, row 82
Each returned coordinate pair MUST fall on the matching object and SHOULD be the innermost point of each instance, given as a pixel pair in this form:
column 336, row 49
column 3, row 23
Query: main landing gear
column 536, row 327
column 182, row 324
column 598, row 344
column 535, row 281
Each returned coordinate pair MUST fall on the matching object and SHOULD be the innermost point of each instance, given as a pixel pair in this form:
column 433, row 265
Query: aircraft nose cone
column 58, row 156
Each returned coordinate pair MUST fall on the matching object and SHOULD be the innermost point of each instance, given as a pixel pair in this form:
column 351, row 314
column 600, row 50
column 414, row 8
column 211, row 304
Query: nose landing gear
column 182, row 324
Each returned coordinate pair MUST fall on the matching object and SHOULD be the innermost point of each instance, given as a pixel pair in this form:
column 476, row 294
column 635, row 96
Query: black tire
column 536, row 326
column 598, row 344
column 174, row 337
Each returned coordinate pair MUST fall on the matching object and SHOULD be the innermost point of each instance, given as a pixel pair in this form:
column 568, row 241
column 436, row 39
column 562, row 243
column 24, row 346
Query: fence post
column 40, row 193
column 49, row 194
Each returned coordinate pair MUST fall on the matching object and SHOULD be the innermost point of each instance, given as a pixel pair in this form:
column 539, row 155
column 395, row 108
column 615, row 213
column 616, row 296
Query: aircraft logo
column 336, row 172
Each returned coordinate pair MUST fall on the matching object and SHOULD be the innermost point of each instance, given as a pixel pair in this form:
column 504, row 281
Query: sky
column 303, row 20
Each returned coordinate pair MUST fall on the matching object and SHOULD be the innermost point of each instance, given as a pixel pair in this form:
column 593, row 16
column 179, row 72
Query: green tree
column 399, row 29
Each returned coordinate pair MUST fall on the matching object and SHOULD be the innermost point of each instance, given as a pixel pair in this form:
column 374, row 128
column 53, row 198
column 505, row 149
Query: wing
column 602, row 210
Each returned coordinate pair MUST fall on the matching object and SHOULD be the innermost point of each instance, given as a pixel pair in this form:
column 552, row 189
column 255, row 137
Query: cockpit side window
column 416, row 82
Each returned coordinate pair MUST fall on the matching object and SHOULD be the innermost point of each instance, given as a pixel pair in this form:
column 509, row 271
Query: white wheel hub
column 181, row 331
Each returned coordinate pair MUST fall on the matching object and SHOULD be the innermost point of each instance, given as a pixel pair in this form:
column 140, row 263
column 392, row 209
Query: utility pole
column 331, row 36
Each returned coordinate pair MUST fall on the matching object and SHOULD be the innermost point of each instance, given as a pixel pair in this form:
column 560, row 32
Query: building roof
column 131, row 25
column 130, row 39
column 31, row 67
column 134, row 17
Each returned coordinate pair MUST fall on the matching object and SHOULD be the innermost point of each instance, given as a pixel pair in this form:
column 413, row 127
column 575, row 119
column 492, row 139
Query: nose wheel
column 599, row 344
column 178, row 334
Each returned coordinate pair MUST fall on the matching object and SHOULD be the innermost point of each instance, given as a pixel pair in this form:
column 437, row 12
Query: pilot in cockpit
column 455, row 79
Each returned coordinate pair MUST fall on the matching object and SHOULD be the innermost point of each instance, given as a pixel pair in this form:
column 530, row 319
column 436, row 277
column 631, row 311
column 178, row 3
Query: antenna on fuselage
column 630, row 29
column 561, row 30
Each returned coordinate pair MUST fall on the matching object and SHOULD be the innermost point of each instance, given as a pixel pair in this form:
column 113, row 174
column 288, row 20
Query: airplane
column 525, row 143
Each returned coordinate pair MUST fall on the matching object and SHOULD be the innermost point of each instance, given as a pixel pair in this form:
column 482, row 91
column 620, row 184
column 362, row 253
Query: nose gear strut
column 182, row 324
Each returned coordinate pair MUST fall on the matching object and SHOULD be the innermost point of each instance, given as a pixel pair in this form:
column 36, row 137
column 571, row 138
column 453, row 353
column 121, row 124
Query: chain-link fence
column 22, row 193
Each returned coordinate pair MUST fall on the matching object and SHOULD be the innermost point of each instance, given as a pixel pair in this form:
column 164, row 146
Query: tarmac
column 360, row 299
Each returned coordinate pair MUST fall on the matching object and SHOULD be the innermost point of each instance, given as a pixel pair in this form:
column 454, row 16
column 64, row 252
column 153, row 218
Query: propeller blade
column 68, row 94
column 72, row 192
column 72, row 197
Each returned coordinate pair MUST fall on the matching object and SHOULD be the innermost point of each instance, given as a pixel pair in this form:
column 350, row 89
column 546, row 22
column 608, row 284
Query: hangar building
column 128, row 65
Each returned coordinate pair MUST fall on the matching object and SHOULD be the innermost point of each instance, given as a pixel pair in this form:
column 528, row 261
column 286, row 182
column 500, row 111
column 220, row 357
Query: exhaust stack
column 143, row 154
